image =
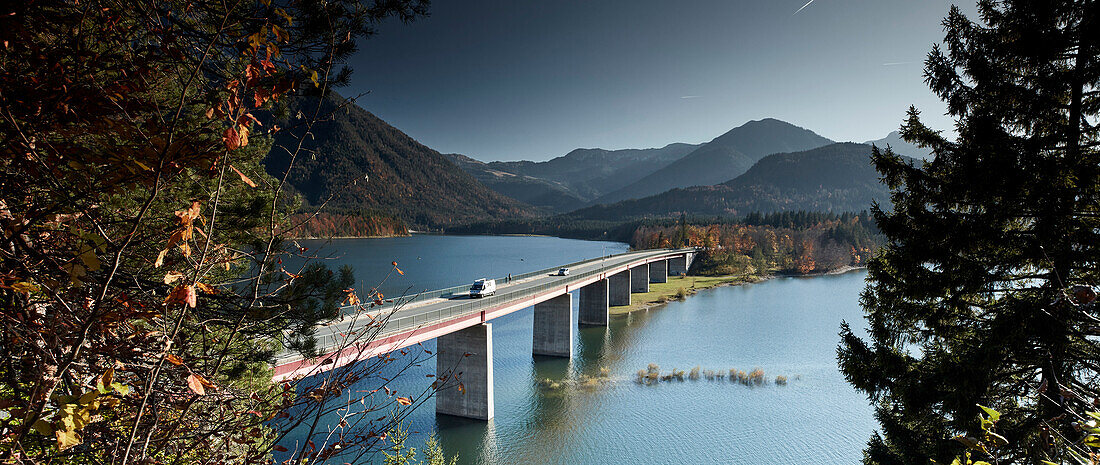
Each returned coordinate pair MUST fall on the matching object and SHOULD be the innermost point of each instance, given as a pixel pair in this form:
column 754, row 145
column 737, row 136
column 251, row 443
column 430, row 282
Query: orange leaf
column 193, row 382
column 351, row 299
column 404, row 401
column 206, row 288
column 173, row 359
column 182, row 295
column 243, row 178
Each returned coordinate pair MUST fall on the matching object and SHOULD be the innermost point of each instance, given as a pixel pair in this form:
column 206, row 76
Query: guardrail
column 463, row 289
column 402, row 324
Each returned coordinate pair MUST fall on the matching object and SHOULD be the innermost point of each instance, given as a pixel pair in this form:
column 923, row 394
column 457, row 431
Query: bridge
column 464, row 336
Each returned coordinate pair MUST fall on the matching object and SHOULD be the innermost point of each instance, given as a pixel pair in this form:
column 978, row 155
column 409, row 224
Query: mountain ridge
column 838, row 177
column 723, row 158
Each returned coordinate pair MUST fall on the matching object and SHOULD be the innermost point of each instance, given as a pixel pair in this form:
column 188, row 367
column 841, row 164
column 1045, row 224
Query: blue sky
column 510, row 80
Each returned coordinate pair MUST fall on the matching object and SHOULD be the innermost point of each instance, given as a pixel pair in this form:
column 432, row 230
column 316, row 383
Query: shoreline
column 670, row 293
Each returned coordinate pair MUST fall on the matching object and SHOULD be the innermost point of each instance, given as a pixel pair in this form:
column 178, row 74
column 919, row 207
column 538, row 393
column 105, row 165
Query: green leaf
column 993, row 414
column 1092, row 440
column 88, row 397
column 43, row 427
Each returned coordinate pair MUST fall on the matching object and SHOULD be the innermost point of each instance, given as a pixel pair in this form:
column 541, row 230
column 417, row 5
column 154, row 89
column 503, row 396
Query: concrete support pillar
column 553, row 328
column 658, row 271
column 619, row 288
column 593, row 309
column 475, row 372
column 678, row 266
column 639, row 279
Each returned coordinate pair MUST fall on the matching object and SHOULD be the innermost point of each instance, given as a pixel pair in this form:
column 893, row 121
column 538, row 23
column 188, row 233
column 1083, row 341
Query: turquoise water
column 785, row 326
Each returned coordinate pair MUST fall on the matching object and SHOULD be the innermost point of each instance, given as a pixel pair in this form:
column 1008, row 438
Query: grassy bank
column 677, row 287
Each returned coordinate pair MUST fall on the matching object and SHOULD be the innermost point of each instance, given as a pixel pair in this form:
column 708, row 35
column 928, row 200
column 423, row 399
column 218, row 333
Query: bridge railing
column 473, row 306
column 464, row 289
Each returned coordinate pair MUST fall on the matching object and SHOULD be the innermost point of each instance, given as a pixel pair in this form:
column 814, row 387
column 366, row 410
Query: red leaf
column 232, row 139
column 278, row 448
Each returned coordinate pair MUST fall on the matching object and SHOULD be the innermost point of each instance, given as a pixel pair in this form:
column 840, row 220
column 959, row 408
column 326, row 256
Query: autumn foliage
column 327, row 224
column 789, row 242
column 142, row 287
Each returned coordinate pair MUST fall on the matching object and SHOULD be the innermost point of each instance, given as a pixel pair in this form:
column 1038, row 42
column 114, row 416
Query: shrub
column 757, row 376
column 781, row 380
column 694, row 375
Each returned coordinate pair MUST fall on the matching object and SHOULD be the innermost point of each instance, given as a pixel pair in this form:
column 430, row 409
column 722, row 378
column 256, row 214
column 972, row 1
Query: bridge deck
column 440, row 312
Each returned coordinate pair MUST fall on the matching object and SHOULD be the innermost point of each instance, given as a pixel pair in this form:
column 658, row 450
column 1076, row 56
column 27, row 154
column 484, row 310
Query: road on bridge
column 413, row 319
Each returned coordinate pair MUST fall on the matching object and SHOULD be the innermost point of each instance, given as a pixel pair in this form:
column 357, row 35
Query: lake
column 784, row 326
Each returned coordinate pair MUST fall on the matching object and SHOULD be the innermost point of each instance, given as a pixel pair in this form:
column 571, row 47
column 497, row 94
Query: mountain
column 365, row 164
column 837, row 178
column 570, row 181
column 550, row 195
column 902, row 147
column 725, row 157
column 591, row 173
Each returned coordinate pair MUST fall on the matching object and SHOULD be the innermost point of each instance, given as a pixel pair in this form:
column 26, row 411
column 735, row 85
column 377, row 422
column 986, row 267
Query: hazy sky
column 516, row 79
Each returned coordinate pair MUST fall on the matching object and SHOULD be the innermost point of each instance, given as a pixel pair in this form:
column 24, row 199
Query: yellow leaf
column 404, row 401
column 67, row 439
column 242, row 131
column 206, row 288
column 160, row 259
column 24, row 287
column 280, row 34
column 281, row 12
column 173, row 359
column 172, row 276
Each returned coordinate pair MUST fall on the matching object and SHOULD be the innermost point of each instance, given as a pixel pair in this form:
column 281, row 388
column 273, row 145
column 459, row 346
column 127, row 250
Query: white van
column 483, row 287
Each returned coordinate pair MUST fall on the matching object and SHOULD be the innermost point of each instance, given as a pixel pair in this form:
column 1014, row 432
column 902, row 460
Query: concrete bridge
column 461, row 325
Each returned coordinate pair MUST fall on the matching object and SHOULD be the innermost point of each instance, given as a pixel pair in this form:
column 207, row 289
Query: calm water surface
column 785, row 326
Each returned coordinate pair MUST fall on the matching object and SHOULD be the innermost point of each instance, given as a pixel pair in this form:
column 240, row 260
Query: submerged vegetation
column 651, row 375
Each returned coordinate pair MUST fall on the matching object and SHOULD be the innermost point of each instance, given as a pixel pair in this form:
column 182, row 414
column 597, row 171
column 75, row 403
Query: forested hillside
column 549, row 195
column 355, row 160
column 788, row 242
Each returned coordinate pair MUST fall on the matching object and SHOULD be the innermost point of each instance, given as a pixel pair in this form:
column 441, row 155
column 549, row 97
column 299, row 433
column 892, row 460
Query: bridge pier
column 553, row 328
column 593, row 303
column 619, row 287
column 658, row 271
column 475, row 372
column 678, row 266
column 639, row 279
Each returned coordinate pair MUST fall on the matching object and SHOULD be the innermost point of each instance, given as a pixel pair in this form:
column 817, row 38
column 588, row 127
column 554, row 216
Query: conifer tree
column 982, row 295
